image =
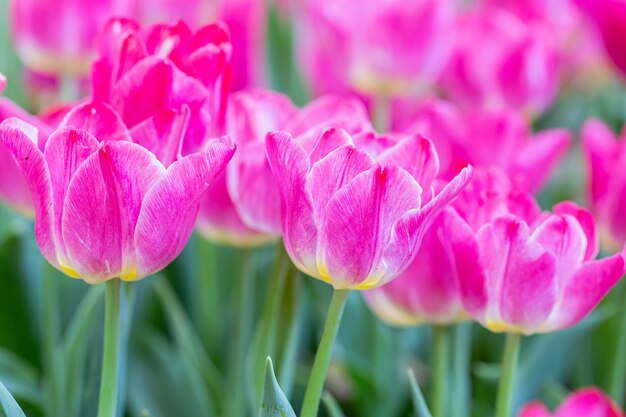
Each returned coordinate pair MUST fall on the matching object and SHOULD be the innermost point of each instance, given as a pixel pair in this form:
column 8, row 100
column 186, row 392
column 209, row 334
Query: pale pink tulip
column 338, row 201
column 586, row 402
column 106, row 207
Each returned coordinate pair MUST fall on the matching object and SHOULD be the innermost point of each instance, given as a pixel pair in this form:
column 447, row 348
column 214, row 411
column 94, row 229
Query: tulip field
column 337, row 208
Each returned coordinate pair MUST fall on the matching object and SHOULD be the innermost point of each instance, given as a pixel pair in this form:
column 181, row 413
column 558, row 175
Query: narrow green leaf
column 418, row 398
column 8, row 405
column 332, row 407
column 274, row 402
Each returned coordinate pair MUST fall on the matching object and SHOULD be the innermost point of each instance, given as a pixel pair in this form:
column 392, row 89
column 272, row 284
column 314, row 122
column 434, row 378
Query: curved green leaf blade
column 418, row 398
column 332, row 407
column 8, row 405
column 274, row 402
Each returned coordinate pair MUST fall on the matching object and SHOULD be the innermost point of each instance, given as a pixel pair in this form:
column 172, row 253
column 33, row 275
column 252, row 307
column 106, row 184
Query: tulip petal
column 290, row 165
column 331, row 173
column 3, row 82
column 359, row 219
column 10, row 109
column 417, row 156
column 163, row 133
column 586, row 288
column 586, row 221
column 170, row 207
column 253, row 189
column 408, row 231
column 103, row 202
column 535, row 409
column 588, row 402
column 519, row 276
column 539, row 157
column 20, row 139
column 599, row 148
column 563, row 236
column 326, row 142
column 98, row 119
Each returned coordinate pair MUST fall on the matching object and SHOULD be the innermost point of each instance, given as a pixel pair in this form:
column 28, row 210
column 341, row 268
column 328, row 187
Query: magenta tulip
column 346, row 194
column 105, row 206
column 429, row 290
column 383, row 48
column 586, row 402
column 604, row 156
column 500, row 139
column 514, row 66
column 522, row 276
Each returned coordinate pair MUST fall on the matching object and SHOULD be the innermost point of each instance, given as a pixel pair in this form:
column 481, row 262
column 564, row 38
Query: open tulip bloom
column 585, row 402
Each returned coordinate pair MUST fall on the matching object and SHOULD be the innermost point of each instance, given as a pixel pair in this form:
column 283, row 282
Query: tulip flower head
column 586, row 402
column 345, row 194
column 429, row 290
column 515, row 67
column 605, row 155
column 243, row 206
column 533, row 276
column 105, row 206
column 498, row 139
column 382, row 48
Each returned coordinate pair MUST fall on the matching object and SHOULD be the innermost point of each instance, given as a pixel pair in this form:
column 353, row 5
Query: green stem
column 322, row 358
column 269, row 317
column 382, row 114
column 107, row 405
column 507, row 376
column 245, row 295
column 461, row 370
column 441, row 353
column 618, row 368
column 209, row 293
column 50, row 331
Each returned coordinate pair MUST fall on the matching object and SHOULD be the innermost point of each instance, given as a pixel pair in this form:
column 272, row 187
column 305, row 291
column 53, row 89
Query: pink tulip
column 500, row 139
column 498, row 62
column 586, row 402
column 374, row 200
column 106, row 207
column 429, row 290
column 605, row 155
column 522, row 276
column 243, row 207
column 57, row 37
column 609, row 16
column 146, row 72
column 382, row 48
column 3, row 82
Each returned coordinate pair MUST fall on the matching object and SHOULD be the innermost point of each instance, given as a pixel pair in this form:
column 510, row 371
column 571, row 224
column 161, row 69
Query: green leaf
column 8, row 405
column 418, row 398
column 332, row 407
column 274, row 402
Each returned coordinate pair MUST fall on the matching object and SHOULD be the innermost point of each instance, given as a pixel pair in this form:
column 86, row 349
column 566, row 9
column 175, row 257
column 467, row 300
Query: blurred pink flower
column 429, row 290
column 349, row 194
column 243, row 206
column 497, row 138
column 605, row 156
column 498, row 61
column 3, row 82
column 609, row 17
column 106, row 207
column 380, row 48
column 165, row 71
column 57, row 37
column 586, row 402
column 532, row 276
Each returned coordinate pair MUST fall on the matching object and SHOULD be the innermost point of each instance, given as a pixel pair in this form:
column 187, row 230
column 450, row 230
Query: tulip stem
column 441, row 353
column 618, row 368
column 507, row 376
column 322, row 358
column 107, row 405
